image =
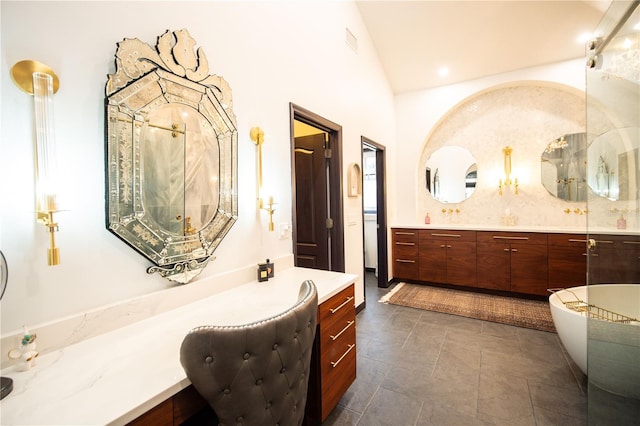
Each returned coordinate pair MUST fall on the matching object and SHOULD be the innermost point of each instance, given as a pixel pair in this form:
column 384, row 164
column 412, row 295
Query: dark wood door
column 529, row 269
column 461, row 263
column 312, row 244
column 494, row 265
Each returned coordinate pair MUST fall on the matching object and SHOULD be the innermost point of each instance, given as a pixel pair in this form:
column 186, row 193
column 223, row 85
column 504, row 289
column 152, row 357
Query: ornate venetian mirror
column 171, row 155
column 451, row 174
column 564, row 167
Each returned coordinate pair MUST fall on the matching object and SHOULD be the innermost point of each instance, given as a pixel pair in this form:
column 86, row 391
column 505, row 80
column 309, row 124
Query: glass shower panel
column 613, row 176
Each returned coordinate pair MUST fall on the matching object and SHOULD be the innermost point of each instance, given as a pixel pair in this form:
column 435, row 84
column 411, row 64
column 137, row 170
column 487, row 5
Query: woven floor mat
column 506, row 310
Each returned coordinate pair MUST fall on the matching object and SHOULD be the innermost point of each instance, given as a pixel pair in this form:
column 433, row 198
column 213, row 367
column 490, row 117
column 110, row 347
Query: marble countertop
column 525, row 228
column 114, row 377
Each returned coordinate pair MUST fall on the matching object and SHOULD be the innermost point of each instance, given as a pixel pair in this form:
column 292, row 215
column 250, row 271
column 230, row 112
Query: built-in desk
column 115, row 377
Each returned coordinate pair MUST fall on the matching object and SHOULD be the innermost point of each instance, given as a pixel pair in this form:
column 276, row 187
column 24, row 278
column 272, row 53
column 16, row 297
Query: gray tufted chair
column 255, row 374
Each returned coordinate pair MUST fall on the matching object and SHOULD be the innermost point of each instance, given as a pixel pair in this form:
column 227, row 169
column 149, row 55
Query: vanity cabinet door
column 529, row 268
column 405, row 254
column 433, row 260
column 448, row 257
column 616, row 259
column 494, row 264
column 513, row 261
column 567, row 260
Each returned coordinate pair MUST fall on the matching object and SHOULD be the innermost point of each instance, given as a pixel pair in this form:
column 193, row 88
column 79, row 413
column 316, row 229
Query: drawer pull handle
column 498, row 237
column 406, row 244
column 334, row 364
column 349, row 299
column 572, row 240
column 405, row 233
column 405, row 261
column 349, row 324
column 604, row 241
column 446, row 235
column 631, row 242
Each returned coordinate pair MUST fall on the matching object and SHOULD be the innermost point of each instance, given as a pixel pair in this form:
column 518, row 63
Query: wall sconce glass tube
column 257, row 136
column 39, row 80
column 507, row 182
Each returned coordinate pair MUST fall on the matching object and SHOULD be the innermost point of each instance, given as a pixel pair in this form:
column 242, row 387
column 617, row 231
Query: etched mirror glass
column 171, row 154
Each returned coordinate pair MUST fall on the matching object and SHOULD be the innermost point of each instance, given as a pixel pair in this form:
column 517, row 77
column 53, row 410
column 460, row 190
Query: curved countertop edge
column 114, row 377
column 524, row 228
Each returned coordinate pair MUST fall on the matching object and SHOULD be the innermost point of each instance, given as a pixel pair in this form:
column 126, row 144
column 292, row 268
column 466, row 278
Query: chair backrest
column 255, row 374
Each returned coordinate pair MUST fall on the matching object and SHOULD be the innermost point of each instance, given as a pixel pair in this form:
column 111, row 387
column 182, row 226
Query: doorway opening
column 374, row 211
column 316, row 164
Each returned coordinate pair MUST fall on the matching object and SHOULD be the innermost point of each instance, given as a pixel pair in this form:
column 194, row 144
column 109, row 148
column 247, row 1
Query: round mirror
column 563, row 167
column 451, row 174
column 4, row 274
column 613, row 163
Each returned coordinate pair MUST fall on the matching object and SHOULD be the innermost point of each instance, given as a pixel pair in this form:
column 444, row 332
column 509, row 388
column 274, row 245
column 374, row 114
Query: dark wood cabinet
column 447, row 257
column 513, row 261
column 520, row 262
column 405, row 254
column 567, row 254
column 615, row 259
column 334, row 355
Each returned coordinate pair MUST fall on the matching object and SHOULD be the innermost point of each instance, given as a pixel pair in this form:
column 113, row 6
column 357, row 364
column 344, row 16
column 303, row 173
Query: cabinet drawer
column 567, row 240
column 337, row 307
column 405, row 250
column 405, row 235
column 338, row 373
column 446, row 235
column 512, row 237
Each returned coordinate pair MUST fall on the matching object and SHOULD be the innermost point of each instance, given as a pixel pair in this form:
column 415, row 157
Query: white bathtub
column 614, row 348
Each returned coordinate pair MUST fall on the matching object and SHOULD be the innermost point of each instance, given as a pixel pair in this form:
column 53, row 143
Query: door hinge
column 329, row 223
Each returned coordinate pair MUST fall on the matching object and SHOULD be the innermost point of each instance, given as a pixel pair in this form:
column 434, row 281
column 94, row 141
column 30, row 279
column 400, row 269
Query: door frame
column 381, row 211
column 334, row 132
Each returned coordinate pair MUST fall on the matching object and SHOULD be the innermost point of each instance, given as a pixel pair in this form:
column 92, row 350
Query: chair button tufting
column 275, row 346
column 295, row 335
column 283, row 370
column 208, row 359
column 246, row 355
column 268, row 405
column 259, row 382
column 227, row 391
column 239, row 419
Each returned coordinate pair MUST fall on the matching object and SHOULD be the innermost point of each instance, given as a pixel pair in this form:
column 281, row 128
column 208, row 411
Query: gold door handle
column 334, row 364
column 591, row 244
column 334, row 310
column 349, row 324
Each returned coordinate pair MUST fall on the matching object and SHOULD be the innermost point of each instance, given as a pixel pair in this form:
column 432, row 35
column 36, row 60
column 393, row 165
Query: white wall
column 419, row 113
column 271, row 53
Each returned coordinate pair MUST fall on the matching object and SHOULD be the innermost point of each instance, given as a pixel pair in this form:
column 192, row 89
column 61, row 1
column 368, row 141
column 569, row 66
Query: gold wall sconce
column 42, row 82
column 257, row 136
column 507, row 181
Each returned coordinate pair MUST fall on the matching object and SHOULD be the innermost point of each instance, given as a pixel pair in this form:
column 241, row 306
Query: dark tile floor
column 419, row 367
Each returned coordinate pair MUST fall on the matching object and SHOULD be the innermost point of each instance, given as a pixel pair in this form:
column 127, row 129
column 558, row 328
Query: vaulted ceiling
column 473, row 39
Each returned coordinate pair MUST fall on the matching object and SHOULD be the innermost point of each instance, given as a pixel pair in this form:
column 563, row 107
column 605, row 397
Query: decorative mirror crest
column 171, row 154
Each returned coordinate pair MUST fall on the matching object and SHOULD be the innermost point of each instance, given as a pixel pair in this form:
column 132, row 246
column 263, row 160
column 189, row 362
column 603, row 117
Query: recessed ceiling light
column 443, row 71
column 636, row 27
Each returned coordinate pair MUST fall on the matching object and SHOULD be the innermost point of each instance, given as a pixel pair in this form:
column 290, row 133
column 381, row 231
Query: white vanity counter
column 524, row 228
column 114, row 377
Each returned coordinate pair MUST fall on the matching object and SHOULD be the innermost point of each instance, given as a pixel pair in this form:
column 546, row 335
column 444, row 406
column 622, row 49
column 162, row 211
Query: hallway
column 426, row 368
